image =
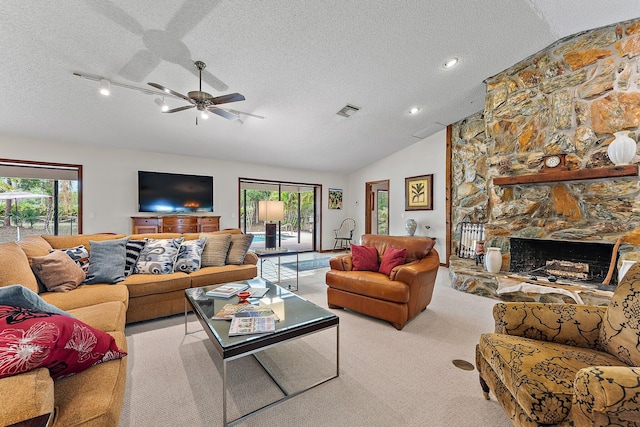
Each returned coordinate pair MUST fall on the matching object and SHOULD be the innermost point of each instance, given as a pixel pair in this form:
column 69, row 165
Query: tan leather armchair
column 396, row 298
column 565, row 364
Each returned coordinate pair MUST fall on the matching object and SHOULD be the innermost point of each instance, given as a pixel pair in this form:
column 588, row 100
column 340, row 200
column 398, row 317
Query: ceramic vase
column 622, row 149
column 492, row 259
column 626, row 265
column 410, row 225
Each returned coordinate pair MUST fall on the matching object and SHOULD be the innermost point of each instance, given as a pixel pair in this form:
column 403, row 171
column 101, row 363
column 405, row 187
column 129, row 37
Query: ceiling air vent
column 348, row 110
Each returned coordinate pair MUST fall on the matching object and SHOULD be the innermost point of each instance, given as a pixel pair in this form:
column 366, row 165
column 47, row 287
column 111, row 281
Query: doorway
column 377, row 207
column 299, row 227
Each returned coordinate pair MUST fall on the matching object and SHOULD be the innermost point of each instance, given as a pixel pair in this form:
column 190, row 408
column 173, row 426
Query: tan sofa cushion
column 93, row 397
column 148, row 284
column 87, row 295
column 15, row 267
column 34, row 246
column 228, row 273
column 107, row 316
column 63, row 242
column 620, row 330
column 26, row 396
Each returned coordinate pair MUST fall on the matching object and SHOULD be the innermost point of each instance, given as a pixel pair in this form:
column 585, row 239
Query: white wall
column 110, row 189
column 424, row 157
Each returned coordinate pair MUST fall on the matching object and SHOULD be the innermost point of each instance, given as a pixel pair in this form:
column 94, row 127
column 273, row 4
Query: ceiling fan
column 203, row 101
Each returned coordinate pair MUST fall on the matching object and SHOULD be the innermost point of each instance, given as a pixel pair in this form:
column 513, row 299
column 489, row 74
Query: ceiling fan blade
column 245, row 114
column 167, row 90
column 175, row 110
column 223, row 113
column 224, row 99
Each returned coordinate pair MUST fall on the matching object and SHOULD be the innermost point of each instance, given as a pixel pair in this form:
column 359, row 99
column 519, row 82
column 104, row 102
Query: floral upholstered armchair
column 565, row 364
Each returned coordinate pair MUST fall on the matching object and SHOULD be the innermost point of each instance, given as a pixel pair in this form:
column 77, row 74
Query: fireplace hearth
column 576, row 261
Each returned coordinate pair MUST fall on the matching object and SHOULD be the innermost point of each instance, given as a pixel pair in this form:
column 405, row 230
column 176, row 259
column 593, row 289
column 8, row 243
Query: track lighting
column 104, row 87
column 160, row 103
column 450, row 63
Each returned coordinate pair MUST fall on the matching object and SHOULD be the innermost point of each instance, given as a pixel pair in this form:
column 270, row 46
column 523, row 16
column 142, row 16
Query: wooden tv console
column 175, row 224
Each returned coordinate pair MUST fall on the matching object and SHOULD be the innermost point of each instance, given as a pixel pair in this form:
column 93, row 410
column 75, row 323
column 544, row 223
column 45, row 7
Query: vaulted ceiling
column 297, row 62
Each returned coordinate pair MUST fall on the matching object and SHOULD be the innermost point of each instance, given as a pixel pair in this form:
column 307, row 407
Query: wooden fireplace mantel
column 568, row 175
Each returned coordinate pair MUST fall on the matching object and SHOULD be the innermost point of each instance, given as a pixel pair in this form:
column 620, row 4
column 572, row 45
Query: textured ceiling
column 297, row 62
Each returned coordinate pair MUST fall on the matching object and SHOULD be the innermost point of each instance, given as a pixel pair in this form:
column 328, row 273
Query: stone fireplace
column 567, row 99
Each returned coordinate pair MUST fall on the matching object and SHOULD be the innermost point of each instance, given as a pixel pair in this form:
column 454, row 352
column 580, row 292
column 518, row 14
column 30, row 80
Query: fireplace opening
column 582, row 262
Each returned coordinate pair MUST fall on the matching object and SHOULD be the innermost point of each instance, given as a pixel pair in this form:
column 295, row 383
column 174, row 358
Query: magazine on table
column 228, row 290
column 252, row 325
column 228, row 310
column 253, row 311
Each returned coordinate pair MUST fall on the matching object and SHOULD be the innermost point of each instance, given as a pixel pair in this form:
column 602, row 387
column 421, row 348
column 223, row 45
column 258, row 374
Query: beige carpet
column 387, row 377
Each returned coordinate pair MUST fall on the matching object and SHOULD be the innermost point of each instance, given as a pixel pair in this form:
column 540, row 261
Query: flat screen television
column 172, row 192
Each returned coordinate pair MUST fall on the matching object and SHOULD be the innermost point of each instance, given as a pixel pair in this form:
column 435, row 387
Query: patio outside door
column 299, row 228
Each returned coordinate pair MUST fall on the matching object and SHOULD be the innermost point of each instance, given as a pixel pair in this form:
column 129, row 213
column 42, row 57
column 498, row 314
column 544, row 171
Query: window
column 39, row 198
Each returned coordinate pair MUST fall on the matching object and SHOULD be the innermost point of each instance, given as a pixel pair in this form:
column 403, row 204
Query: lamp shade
column 270, row 210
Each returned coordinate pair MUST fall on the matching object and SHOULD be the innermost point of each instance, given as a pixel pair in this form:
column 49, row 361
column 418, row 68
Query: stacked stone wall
column 569, row 98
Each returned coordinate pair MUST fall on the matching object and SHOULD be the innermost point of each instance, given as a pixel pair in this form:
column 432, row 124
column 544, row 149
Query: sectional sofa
column 94, row 397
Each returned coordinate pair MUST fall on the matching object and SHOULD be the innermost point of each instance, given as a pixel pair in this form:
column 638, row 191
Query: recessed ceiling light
column 414, row 110
column 450, row 63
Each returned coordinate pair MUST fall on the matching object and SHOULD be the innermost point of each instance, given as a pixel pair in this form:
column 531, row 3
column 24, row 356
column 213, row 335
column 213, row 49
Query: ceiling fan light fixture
column 104, row 87
column 204, row 114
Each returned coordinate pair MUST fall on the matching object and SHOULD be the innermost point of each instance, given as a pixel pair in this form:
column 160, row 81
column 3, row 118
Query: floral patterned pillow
column 158, row 256
column 189, row 255
column 31, row 339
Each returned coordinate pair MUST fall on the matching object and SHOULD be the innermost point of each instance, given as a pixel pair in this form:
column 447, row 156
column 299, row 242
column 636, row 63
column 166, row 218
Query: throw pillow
column 392, row 258
column 189, row 255
column 133, row 250
column 238, row 248
column 619, row 333
column 57, row 271
column 107, row 261
column 215, row 250
column 158, row 256
column 364, row 258
column 31, row 339
column 79, row 255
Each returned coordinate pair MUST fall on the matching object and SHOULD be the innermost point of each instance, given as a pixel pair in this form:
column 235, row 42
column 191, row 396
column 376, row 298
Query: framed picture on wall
column 418, row 193
column 335, row 198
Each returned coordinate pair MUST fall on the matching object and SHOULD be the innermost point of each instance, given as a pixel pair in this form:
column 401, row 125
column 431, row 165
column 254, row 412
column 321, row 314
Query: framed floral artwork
column 335, row 198
column 418, row 194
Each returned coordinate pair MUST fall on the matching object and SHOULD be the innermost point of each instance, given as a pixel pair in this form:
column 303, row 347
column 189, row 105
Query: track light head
column 104, row 87
column 160, row 103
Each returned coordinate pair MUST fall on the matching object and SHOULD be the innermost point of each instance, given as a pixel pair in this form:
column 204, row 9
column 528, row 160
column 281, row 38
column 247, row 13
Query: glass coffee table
column 298, row 318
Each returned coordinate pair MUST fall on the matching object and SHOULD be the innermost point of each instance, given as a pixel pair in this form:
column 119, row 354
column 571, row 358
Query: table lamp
column 270, row 211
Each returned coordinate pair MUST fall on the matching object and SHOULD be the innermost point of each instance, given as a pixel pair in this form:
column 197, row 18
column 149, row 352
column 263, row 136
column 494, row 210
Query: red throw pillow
column 31, row 339
column 392, row 258
column 365, row 258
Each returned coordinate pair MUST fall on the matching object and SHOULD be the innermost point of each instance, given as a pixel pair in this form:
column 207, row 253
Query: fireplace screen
column 571, row 260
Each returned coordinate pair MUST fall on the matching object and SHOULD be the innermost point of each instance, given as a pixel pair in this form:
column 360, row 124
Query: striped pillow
column 215, row 250
column 134, row 247
column 238, row 249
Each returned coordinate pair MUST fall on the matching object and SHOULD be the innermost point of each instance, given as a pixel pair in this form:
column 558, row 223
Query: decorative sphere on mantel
column 410, row 226
column 622, row 149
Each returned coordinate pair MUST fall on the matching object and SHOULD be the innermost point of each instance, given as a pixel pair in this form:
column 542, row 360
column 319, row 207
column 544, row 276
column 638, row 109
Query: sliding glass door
column 296, row 229
column 39, row 198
